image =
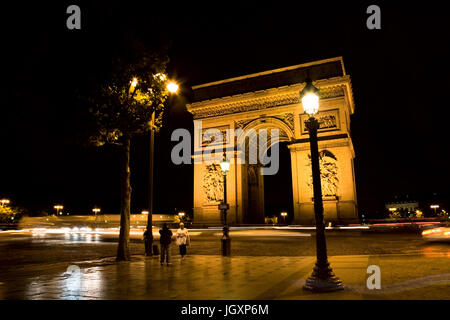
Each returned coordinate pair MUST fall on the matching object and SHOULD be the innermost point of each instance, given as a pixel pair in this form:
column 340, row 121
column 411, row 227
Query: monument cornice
column 269, row 98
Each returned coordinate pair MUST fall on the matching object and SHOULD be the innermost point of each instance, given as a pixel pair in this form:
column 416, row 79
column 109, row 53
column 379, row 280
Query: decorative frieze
column 243, row 107
column 287, row 118
column 270, row 101
column 331, row 92
column 328, row 121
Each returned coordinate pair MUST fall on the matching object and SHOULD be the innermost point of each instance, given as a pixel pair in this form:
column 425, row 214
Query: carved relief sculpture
column 212, row 138
column 288, row 118
column 242, row 123
column 213, row 183
column 328, row 173
column 328, row 120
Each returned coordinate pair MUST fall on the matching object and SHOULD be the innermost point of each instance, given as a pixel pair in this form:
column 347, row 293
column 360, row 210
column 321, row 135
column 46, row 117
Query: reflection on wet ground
column 216, row 277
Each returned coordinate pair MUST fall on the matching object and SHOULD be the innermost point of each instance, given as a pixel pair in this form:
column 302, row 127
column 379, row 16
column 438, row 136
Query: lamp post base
column 148, row 247
column 226, row 247
column 323, row 280
column 226, row 243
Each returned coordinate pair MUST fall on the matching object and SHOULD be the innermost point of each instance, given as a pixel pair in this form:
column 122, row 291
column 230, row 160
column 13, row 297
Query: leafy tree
column 122, row 107
column 443, row 214
column 395, row 215
column 10, row 215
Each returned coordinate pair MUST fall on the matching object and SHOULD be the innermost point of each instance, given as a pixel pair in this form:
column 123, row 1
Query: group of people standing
column 182, row 240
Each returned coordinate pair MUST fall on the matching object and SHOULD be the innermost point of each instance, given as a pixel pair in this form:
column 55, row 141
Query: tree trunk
column 123, row 250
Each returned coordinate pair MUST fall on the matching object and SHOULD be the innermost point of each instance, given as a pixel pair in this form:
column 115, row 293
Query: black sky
column 400, row 77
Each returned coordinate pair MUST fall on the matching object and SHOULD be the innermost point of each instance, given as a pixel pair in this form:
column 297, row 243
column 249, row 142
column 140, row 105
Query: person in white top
column 183, row 239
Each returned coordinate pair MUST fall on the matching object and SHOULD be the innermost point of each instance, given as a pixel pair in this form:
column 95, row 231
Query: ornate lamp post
column 322, row 278
column 225, row 166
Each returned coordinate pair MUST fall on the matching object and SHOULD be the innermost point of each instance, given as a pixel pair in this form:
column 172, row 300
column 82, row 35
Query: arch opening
column 278, row 195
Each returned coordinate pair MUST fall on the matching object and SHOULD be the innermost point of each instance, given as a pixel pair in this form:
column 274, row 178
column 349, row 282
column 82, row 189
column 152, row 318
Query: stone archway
column 270, row 100
column 253, row 194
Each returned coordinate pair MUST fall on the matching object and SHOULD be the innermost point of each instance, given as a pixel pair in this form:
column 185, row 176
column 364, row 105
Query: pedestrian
column 146, row 242
column 165, row 240
column 183, row 239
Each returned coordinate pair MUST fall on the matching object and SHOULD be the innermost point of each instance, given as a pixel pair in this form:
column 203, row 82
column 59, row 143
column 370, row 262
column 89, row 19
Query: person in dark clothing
column 146, row 235
column 165, row 240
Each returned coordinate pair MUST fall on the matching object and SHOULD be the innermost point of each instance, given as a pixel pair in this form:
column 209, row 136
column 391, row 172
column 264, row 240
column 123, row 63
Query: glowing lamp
column 134, row 82
column 310, row 98
column 225, row 165
column 172, row 87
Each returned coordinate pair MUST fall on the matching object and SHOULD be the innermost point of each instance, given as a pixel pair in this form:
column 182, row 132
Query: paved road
column 33, row 265
column 31, row 248
column 27, row 248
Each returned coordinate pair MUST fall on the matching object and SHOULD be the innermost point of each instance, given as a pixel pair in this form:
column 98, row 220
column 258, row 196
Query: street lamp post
column 4, row 201
column 149, row 238
column 58, row 207
column 435, row 207
column 172, row 87
column 149, row 251
column 96, row 211
column 226, row 241
column 322, row 278
column 284, row 215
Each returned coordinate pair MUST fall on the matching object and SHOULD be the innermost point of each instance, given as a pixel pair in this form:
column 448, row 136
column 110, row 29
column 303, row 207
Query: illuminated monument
column 270, row 100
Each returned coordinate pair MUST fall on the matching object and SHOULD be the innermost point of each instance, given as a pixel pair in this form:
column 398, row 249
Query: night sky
column 400, row 77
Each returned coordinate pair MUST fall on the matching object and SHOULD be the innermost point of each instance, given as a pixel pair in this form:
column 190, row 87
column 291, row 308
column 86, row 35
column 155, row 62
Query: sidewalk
column 214, row 277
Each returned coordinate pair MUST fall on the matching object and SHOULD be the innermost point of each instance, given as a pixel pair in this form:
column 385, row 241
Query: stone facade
column 279, row 108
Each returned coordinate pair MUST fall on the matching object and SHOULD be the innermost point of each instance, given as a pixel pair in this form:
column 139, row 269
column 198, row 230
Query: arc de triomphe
column 270, row 100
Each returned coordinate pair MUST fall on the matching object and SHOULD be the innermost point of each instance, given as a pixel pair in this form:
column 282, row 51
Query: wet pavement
column 19, row 249
column 265, row 264
column 215, row 277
